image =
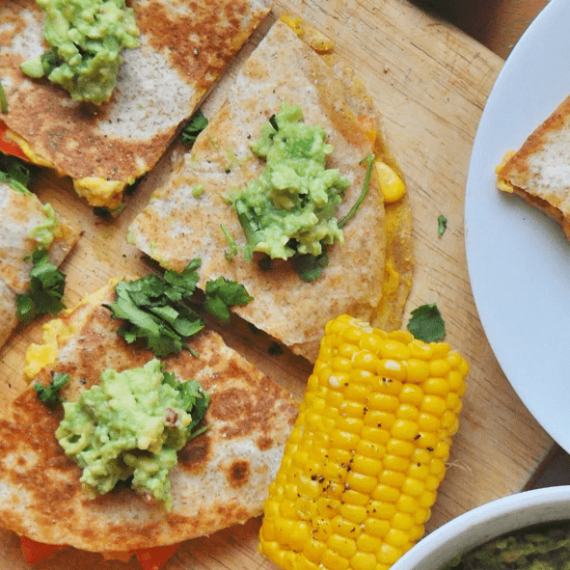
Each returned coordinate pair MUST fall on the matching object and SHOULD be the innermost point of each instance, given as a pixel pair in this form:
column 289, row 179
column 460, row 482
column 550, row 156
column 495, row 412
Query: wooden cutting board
column 430, row 82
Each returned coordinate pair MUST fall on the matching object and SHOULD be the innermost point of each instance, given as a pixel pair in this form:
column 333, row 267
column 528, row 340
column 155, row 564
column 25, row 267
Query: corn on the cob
column 367, row 453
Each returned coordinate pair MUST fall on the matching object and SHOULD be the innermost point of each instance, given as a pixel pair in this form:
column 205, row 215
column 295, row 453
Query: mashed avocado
column 289, row 209
column 86, row 38
column 131, row 426
column 44, row 232
column 537, row 548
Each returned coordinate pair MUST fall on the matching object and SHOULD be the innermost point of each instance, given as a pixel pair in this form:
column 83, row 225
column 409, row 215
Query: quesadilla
column 539, row 172
column 221, row 477
column 21, row 214
column 179, row 224
column 184, row 48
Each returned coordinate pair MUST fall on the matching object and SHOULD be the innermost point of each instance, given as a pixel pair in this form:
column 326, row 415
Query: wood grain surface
column 430, row 82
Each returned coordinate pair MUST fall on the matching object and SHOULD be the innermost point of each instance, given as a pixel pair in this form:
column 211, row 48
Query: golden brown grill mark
column 211, row 37
column 238, row 473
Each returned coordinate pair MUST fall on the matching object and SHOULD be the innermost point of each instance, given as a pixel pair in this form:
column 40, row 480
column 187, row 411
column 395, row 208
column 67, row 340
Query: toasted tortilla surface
column 222, row 476
column 184, row 48
column 176, row 226
column 19, row 214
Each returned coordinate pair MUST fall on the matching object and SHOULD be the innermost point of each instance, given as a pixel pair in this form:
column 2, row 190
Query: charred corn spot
column 393, row 187
column 362, row 467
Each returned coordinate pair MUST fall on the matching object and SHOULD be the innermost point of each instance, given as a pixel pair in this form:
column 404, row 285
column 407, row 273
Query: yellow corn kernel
column 351, row 497
column 366, row 465
column 363, row 561
column 304, row 564
column 386, row 493
column 417, row 370
column 361, row 470
column 366, row 360
column 393, row 187
column 392, row 368
column 404, row 429
column 407, row 412
column 389, row 553
column 384, row 402
column 368, row 543
column 354, row 513
column 334, row 561
column 361, row 483
column 369, row 448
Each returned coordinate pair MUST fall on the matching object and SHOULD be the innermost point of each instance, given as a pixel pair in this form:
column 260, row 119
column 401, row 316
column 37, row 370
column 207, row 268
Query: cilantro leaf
column 45, row 290
column 194, row 399
column 223, row 293
column 441, row 225
column 15, row 173
column 50, row 394
column 427, row 323
column 155, row 308
column 182, row 284
column 194, row 127
column 310, row 267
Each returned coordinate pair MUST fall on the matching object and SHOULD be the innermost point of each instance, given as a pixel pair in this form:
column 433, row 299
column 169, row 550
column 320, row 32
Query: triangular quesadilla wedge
column 184, row 47
column 539, row 172
column 178, row 223
column 221, row 478
column 25, row 223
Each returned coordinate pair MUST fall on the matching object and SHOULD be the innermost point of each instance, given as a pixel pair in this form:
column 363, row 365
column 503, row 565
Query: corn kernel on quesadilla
column 221, row 477
column 539, row 172
column 184, row 47
column 25, row 220
column 178, row 222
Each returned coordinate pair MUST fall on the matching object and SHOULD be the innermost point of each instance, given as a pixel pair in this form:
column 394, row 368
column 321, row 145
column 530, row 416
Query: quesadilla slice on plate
column 184, row 48
column 27, row 226
column 221, row 476
column 190, row 214
column 539, row 172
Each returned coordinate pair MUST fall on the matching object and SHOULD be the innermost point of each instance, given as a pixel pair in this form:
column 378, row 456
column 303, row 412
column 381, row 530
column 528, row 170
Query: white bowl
column 485, row 523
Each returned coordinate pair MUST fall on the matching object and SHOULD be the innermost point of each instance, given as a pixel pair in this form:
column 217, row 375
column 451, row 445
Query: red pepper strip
column 154, row 558
column 7, row 146
column 35, row 551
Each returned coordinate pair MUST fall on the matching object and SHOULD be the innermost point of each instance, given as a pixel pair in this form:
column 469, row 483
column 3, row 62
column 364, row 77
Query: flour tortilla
column 185, row 46
column 539, row 172
column 19, row 214
column 176, row 226
column 222, row 476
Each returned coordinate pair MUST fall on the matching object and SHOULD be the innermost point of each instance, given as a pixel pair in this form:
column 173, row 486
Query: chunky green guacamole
column 290, row 208
column 85, row 38
column 537, row 548
column 44, row 232
column 131, row 426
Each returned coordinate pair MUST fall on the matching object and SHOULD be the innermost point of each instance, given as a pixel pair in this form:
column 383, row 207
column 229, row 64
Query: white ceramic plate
column 518, row 259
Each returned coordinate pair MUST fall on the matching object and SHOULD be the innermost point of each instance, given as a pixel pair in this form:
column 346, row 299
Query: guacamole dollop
column 85, row 38
column 546, row 547
column 131, row 426
column 289, row 209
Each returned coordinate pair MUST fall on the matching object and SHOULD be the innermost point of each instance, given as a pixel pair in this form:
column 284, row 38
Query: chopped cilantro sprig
column 427, row 324
column 194, row 127
column 45, row 291
column 157, row 308
column 50, row 394
column 15, row 173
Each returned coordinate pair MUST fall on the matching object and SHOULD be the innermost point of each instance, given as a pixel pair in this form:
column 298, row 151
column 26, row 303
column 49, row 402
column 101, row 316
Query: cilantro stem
column 369, row 161
column 3, row 101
